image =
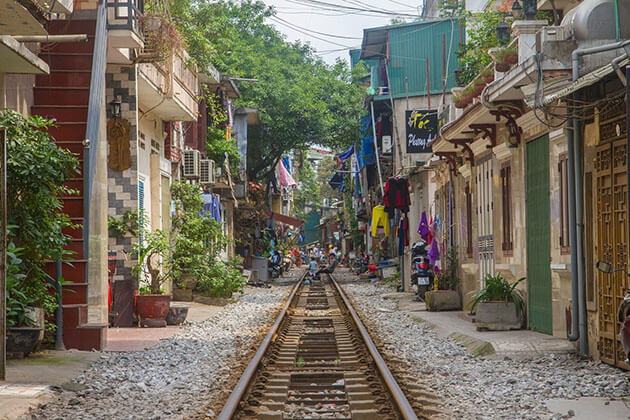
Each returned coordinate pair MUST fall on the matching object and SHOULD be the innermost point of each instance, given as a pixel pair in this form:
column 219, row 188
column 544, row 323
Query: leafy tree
column 37, row 170
column 307, row 191
column 301, row 99
column 326, row 169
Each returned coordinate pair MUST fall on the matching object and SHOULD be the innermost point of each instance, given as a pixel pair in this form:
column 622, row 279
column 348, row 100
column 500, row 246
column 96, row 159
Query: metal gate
column 538, row 236
column 612, row 242
column 485, row 218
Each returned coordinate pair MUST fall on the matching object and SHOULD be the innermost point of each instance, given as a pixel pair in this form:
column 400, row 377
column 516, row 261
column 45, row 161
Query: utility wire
column 290, row 26
column 316, row 32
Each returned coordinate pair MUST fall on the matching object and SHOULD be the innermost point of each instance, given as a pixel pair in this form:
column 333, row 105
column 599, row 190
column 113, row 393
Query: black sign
column 422, row 130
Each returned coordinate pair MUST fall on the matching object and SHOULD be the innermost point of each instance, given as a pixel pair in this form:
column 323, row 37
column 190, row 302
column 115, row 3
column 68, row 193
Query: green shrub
column 498, row 289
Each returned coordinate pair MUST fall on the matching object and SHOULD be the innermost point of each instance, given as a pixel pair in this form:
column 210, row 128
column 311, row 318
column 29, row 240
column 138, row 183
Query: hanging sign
column 422, row 130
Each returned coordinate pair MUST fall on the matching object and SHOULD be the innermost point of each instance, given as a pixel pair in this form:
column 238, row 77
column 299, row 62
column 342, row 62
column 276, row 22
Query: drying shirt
column 211, row 206
column 396, row 195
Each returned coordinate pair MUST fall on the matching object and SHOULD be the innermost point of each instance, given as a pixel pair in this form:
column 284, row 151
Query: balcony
column 124, row 32
column 169, row 89
column 22, row 18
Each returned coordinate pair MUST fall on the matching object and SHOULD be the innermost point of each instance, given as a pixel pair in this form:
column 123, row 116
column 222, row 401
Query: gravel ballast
column 482, row 388
column 177, row 377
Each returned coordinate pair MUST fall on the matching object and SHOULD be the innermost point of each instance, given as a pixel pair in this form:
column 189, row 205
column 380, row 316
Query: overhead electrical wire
column 316, row 32
column 337, row 7
column 291, row 26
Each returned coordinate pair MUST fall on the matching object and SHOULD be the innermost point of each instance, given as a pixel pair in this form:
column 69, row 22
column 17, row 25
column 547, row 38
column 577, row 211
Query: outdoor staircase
column 63, row 96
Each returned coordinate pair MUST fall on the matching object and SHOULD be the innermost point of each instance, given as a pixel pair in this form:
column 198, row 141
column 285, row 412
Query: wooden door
column 538, row 236
column 612, row 231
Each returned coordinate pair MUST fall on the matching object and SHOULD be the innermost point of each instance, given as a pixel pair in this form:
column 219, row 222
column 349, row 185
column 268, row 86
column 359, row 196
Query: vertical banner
column 422, row 130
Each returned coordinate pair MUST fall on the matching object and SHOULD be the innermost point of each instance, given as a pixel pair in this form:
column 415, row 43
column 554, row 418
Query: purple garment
column 423, row 228
column 434, row 252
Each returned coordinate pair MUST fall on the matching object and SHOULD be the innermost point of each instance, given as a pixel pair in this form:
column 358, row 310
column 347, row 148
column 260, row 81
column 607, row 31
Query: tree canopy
column 301, row 99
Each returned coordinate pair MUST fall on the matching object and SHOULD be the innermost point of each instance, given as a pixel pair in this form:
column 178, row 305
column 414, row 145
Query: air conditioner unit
column 207, row 171
column 192, row 159
column 387, row 144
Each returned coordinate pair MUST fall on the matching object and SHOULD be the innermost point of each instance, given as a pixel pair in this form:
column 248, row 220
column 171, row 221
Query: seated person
column 331, row 267
column 313, row 267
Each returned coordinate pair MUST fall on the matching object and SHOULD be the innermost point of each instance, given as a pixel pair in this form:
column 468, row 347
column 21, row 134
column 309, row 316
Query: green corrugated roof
column 410, row 45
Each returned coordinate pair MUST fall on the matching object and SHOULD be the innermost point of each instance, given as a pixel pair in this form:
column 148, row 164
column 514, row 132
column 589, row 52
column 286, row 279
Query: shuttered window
column 506, row 193
column 564, row 204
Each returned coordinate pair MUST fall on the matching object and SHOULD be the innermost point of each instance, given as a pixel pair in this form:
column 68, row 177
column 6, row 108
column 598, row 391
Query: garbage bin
column 261, row 264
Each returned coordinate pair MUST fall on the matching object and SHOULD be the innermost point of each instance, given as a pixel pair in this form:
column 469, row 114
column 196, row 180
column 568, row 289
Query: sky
column 313, row 21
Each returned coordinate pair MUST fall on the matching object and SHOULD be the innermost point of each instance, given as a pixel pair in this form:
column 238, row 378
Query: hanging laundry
column 287, row 163
column 434, row 253
column 367, row 150
column 402, row 231
column 397, row 195
column 286, row 178
column 379, row 218
column 432, row 232
column 423, row 228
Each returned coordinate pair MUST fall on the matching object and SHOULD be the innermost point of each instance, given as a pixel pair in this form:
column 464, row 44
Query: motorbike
column 361, row 264
column 275, row 268
column 421, row 270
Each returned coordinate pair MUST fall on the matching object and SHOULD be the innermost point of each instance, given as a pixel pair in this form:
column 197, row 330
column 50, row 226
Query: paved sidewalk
column 521, row 343
column 31, row 381
column 138, row 339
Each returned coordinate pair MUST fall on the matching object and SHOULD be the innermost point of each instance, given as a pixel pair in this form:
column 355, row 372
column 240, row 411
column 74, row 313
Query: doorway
column 538, row 236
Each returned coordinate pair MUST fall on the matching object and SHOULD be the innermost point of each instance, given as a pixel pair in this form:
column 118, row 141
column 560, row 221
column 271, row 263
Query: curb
column 474, row 346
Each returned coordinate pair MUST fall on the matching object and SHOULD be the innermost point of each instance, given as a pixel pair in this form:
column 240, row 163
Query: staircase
column 63, row 95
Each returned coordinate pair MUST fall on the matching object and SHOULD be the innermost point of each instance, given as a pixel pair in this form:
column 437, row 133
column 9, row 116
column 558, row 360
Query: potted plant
column 468, row 94
column 499, row 305
column 479, row 84
column 23, row 335
column 154, row 257
column 459, row 102
column 487, row 74
column 446, row 298
column 505, row 57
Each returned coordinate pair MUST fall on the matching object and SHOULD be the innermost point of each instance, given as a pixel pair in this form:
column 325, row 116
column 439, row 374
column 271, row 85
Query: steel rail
column 402, row 403
column 231, row 405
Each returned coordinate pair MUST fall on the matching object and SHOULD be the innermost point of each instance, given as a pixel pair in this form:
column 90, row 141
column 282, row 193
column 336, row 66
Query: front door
column 538, row 236
column 485, row 217
column 611, row 196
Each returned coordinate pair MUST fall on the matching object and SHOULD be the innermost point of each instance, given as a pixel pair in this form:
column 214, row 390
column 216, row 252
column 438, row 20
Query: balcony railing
column 124, row 14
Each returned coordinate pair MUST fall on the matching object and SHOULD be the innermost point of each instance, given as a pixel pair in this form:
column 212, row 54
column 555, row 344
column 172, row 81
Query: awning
column 584, row 81
column 288, row 220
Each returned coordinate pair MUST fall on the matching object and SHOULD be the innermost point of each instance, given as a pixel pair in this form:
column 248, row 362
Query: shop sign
column 422, row 130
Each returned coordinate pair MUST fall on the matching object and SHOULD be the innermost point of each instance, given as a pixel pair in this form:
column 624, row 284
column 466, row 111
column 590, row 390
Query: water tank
column 595, row 19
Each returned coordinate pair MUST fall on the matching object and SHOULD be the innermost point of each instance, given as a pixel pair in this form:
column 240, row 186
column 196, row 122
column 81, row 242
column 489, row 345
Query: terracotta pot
column 489, row 78
column 511, row 59
column 501, row 67
column 461, row 104
column 153, row 309
column 479, row 88
column 23, row 339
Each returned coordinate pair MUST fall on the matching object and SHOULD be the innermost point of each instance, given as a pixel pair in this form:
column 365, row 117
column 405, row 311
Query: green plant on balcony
column 505, row 58
column 161, row 38
column 487, row 74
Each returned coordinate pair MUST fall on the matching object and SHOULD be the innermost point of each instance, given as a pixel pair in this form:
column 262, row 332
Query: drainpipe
column 576, row 203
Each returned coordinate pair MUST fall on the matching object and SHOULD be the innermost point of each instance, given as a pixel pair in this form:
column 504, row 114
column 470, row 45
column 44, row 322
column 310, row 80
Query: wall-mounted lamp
column 517, row 9
column 503, row 32
column 114, row 107
column 530, row 9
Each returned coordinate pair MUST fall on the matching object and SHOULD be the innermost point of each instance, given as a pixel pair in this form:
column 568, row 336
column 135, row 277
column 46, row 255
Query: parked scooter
column 623, row 313
column 421, row 270
column 275, row 265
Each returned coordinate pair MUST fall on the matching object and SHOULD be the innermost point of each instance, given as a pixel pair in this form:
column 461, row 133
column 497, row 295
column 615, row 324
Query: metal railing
column 124, row 14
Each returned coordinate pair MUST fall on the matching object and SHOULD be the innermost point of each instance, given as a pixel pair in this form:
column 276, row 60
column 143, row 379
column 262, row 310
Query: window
column 469, row 231
column 564, row 203
column 506, row 194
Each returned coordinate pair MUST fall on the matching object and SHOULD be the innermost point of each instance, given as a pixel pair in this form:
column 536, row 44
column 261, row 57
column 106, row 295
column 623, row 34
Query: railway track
column 317, row 362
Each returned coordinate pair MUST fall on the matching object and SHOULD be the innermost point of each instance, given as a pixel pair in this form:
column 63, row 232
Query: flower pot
column 511, row 59
column 501, row 67
column 488, row 79
column 461, row 104
column 177, row 314
column 498, row 316
column 479, row 89
column 152, row 310
column 23, row 340
column 442, row 300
